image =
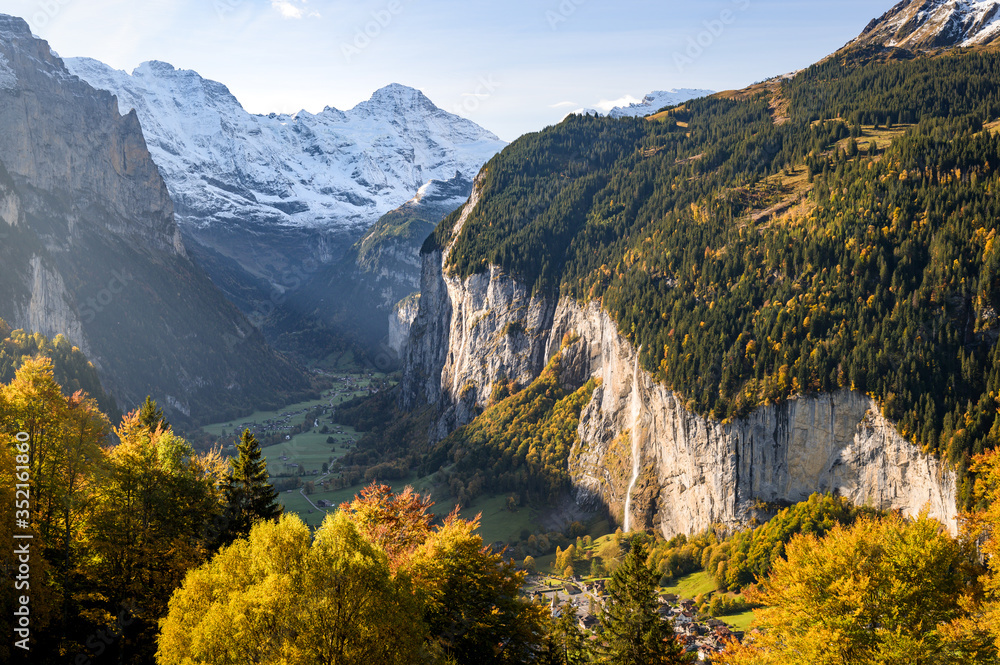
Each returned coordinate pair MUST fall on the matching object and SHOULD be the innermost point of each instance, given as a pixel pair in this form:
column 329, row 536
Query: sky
column 513, row 66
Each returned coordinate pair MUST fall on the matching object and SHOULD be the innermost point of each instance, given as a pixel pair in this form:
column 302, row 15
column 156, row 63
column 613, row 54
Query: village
column 287, row 423
column 702, row 637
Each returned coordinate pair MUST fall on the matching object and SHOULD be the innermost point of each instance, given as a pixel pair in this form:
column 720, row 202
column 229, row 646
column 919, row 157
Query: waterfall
column 635, row 477
column 634, row 435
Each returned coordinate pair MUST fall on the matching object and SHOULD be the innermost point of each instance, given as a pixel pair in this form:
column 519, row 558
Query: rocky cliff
column 305, row 220
column 693, row 472
column 922, row 25
column 358, row 295
column 89, row 248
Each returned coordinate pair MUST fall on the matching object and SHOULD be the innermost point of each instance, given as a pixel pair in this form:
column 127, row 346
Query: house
column 589, row 622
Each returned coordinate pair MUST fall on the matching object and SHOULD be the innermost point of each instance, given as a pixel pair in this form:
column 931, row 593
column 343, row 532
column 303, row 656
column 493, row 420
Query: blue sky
column 513, row 66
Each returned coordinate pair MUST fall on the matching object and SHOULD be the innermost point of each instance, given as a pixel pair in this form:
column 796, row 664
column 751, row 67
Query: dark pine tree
column 248, row 495
column 151, row 415
column 634, row 633
column 564, row 642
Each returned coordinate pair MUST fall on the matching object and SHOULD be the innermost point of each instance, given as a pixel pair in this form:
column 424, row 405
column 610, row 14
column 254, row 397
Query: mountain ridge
column 92, row 250
column 924, row 25
column 270, row 205
column 293, row 171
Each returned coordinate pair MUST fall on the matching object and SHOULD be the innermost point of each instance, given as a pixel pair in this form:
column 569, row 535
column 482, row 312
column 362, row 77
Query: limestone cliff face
column 50, row 310
column 693, row 472
column 89, row 249
column 75, row 141
column 400, row 321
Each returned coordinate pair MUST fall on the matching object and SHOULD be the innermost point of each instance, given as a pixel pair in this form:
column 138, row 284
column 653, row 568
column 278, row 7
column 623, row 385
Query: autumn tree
column 396, row 523
column 634, row 633
column 874, row 592
column 974, row 637
column 57, row 441
column 151, row 519
column 248, row 495
column 277, row 598
column 471, row 598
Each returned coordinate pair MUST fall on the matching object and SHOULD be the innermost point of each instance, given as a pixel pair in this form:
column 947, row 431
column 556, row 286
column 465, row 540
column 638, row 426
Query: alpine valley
column 713, row 375
column 272, row 206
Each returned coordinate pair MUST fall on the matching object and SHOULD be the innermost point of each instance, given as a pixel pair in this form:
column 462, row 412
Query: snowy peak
column 456, row 190
column 630, row 107
column 920, row 25
column 13, row 27
column 333, row 169
column 656, row 100
column 397, row 96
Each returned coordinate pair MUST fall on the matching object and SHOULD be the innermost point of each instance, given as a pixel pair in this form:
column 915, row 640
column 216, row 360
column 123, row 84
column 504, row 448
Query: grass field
column 691, row 585
column 740, row 621
column 497, row 524
column 311, row 450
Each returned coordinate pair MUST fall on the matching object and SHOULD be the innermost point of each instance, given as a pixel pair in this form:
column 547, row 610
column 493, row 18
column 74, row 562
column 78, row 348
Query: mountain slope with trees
column 773, row 242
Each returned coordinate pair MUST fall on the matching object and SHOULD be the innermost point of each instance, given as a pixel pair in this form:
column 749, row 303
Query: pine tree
column 248, row 495
column 634, row 633
column 151, row 415
column 569, row 640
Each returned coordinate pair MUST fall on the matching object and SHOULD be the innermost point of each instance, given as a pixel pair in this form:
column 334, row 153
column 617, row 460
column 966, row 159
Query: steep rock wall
column 694, row 472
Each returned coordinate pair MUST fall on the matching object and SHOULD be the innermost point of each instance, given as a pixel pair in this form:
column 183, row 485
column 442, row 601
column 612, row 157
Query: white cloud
column 293, row 8
column 606, row 105
column 561, row 105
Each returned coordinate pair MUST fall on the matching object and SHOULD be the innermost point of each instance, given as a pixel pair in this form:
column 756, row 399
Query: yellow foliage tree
column 875, row 592
column 471, row 598
column 153, row 509
column 55, row 440
column 277, row 598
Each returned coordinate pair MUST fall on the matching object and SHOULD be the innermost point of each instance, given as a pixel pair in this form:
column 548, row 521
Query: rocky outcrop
column 400, row 321
column 694, row 472
column 50, row 310
column 923, row 25
column 89, row 249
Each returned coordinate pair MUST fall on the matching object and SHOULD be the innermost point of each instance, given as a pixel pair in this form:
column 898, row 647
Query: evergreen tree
column 248, row 495
column 566, row 644
column 151, row 415
column 634, row 633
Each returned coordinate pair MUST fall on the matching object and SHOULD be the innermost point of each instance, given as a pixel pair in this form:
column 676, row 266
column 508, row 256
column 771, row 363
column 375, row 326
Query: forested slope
column 773, row 242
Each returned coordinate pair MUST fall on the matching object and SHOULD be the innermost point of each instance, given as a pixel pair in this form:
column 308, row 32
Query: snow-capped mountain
column 656, row 100
column 89, row 249
column 267, row 205
column 919, row 25
column 335, row 168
